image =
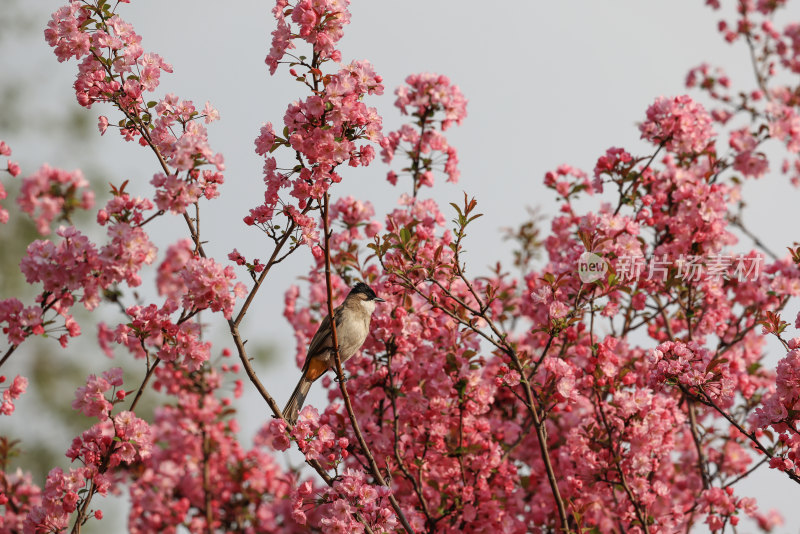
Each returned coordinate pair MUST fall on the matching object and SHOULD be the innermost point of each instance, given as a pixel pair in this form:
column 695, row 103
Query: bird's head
column 364, row 295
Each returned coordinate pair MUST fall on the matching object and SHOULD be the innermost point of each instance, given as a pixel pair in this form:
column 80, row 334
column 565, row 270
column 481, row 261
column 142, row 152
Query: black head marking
column 365, row 290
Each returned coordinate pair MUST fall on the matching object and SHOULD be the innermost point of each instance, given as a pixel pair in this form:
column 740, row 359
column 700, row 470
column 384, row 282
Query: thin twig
column 701, row 457
column 207, row 482
column 736, row 221
column 395, row 425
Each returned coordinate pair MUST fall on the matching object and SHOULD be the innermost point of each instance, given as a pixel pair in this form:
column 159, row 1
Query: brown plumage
column 352, row 326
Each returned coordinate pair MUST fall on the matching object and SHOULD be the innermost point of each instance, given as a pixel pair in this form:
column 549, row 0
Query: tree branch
column 374, row 468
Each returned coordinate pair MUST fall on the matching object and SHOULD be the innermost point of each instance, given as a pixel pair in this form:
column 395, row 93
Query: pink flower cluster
column 76, row 264
column 115, row 69
column 780, row 409
column 615, row 161
column 20, row 321
column 185, row 152
column 352, row 494
column 59, row 499
column 313, row 435
column 723, row 507
column 72, row 266
column 356, row 216
column 747, row 161
column 690, row 365
column 64, row 32
column 682, row 125
column 568, row 181
column 85, row 32
column 324, row 129
column 190, row 149
column 349, row 494
column 13, row 169
column 209, row 285
column 11, row 393
column 427, row 94
column 17, row 495
column 51, row 193
column 202, row 466
column 151, row 326
column 122, row 208
column 91, row 399
column 640, row 428
column 197, row 283
column 122, row 439
column 319, row 22
column 432, row 98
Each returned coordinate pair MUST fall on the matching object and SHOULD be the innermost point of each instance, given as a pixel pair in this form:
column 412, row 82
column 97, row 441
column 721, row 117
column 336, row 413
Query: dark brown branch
column 703, row 397
column 374, row 468
column 8, row 354
column 701, row 457
column 401, row 464
column 207, row 482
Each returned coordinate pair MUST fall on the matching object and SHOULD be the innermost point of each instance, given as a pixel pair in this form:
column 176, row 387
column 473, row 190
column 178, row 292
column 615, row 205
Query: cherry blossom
column 487, row 400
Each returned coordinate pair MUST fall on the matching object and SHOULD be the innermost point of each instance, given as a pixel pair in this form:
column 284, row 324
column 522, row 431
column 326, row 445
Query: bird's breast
column 352, row 333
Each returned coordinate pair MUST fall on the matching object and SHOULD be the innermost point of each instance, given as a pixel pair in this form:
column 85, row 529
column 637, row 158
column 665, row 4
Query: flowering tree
column 617, row 388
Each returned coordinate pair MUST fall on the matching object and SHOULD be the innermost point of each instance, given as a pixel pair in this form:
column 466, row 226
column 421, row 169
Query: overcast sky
column 547, row 83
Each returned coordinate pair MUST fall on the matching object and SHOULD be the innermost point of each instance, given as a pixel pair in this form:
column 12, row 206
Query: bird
column 352, row 326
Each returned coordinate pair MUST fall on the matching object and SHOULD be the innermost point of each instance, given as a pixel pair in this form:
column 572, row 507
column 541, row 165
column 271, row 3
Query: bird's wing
column 322, row 339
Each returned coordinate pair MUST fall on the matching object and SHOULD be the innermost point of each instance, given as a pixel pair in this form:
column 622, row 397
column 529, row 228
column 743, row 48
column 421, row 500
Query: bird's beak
column 378, row 299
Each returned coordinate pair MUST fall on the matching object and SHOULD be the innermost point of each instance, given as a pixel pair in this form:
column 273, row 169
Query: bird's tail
column 297, row 399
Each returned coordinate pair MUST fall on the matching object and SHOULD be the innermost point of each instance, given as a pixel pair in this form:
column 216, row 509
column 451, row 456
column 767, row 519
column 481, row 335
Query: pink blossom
column 52, row 193
column 210, row 285
column 64, row 34
column 11, row 393
column 13, row 168
column 265, row 140
column 211, row 114
column 102, row 124
column 90, row 399
column 680, row 124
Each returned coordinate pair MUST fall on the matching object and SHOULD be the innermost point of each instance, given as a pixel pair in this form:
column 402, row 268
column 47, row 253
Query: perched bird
column 352, row 326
